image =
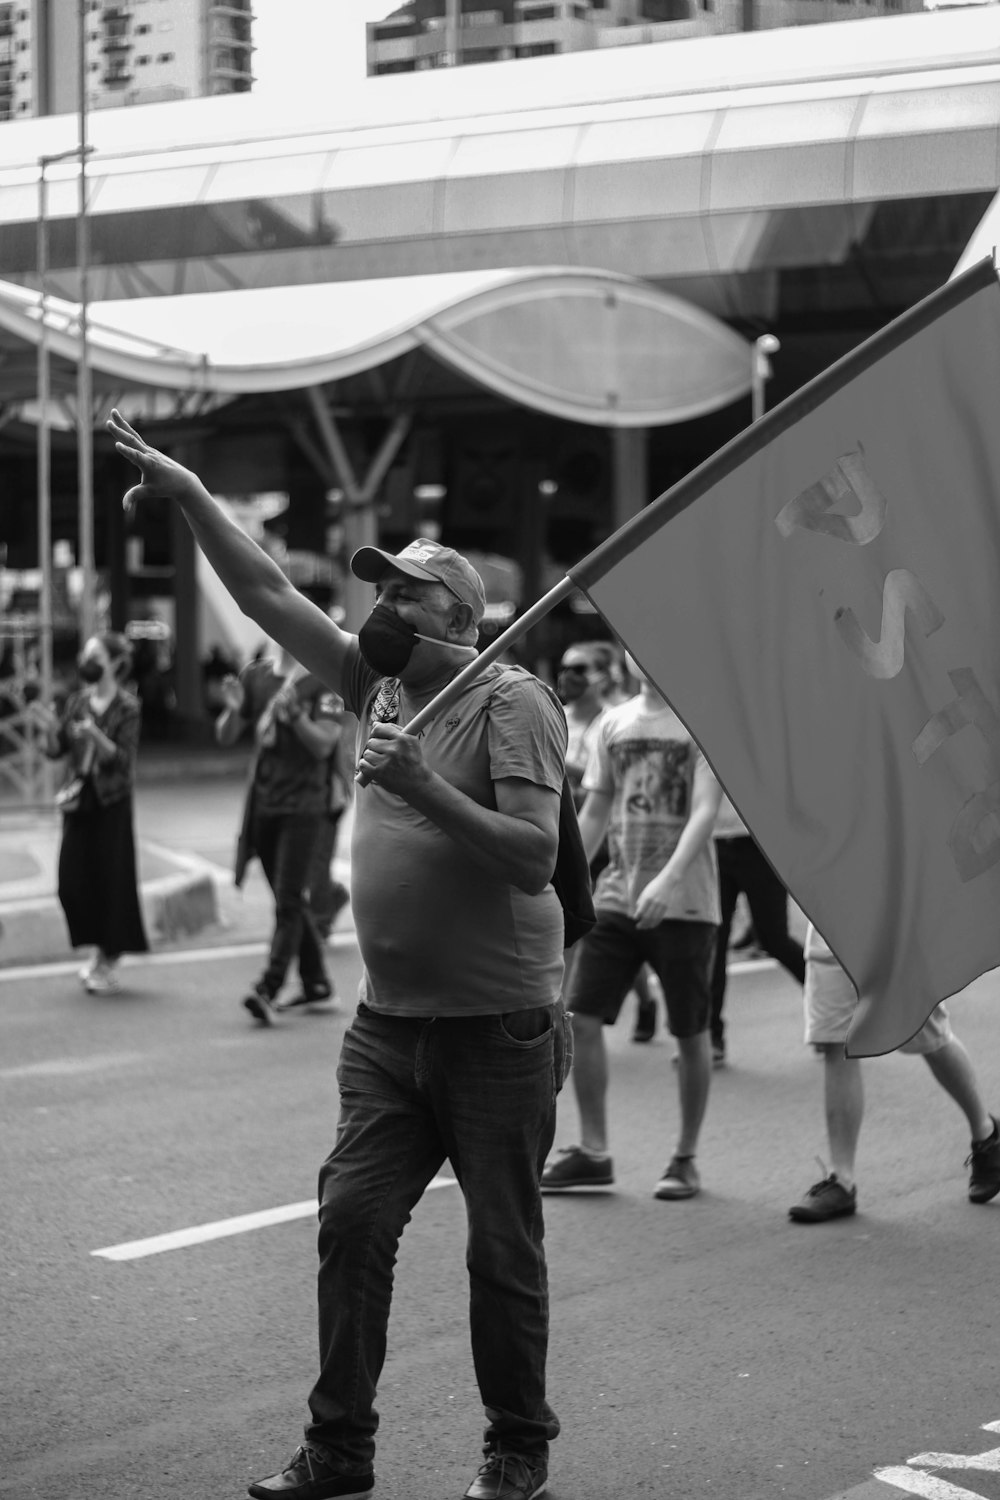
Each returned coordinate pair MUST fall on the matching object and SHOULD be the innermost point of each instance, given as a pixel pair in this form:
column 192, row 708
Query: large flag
column 820, row 603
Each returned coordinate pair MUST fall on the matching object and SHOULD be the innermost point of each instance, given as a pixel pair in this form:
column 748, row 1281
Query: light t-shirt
column 646, row 760
column 438, row 935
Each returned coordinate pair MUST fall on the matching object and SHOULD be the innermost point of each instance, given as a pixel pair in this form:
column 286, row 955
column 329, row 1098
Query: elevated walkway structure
column 711, row 166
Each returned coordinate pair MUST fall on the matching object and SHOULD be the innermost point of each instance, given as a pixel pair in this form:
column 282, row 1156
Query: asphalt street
column 702, row 1348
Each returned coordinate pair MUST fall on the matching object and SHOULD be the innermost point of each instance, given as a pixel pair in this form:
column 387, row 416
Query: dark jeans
column 414, row 1092
column 742, row 867
column 285, row 843
column 326, row 895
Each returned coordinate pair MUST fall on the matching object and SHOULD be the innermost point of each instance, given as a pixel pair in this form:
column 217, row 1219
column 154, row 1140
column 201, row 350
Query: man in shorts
column 830, row 1002
column 657, row 902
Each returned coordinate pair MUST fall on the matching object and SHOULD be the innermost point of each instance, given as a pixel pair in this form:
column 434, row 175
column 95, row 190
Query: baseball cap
column 427, row 560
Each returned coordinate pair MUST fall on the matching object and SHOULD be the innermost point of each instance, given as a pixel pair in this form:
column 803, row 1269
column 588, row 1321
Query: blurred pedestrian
column 830, row 1001
column 327, row 895
column 459, row 1045
column 296, row 724
column 591, row 680
column 98, row 731
column 744, row 868
column 657, row 902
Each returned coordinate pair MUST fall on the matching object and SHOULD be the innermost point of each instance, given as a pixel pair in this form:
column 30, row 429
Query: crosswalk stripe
column 200, row 1234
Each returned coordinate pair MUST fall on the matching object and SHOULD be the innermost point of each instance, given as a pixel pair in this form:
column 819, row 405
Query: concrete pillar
column 630, row 466
column 187, row 646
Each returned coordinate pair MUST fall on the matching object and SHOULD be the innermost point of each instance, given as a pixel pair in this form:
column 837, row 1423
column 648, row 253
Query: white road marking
column 988, row 1462
column 345, row 939
column 199, row 1234
column 929, row 1486
column 69, row 1067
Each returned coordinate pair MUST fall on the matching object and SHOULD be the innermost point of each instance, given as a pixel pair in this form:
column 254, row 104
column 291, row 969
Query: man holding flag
column 459, row 1045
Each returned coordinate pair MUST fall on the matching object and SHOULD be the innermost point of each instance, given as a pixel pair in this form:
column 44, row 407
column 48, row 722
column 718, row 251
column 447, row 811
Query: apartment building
column 446, row 33
column 136, row 52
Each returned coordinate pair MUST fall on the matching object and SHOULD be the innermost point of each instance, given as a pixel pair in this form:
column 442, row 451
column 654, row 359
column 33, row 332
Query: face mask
column 386, row 641
column 90, row 669
column 571, row 685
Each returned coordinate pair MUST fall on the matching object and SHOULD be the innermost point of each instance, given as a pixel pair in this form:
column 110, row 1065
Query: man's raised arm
column 255, row 581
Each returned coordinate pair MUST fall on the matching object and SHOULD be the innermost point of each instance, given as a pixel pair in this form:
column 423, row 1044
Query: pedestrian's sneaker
column 577, row 1169
column 718, row 1054
column 318, row 999
column 509, row 1476
column 103, row 979
column 89, row 969
column 828, row 1199
column 260, row 1003
column 984, row 1179
column 310, row 1474
column 680, row 1180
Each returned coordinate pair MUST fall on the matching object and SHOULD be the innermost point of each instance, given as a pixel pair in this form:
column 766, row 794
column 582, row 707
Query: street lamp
column 43, row 397
column 760, row 371
column 84, row 403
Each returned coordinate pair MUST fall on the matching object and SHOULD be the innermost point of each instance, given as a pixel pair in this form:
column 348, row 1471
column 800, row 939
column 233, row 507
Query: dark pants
column 414, row 1092
column 326, row 895
column 285, row 843
column 742, row 867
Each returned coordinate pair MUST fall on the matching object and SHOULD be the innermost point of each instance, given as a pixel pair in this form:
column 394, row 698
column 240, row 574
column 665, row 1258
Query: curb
column 173, row 907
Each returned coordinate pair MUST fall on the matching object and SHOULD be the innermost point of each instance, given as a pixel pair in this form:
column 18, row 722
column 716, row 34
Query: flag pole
column 503, row 642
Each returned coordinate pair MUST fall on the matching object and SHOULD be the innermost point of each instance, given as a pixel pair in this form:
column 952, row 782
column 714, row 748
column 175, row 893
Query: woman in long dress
column 98, row 732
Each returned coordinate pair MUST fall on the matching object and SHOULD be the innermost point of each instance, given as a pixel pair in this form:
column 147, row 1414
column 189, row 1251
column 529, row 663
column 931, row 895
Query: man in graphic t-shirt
column 657, row 902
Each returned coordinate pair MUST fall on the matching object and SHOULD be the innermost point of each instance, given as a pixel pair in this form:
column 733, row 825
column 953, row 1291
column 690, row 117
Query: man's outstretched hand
column 162, row 477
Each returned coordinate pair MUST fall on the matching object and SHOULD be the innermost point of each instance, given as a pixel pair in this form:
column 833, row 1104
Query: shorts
column 609, row 957
column 830, row 1000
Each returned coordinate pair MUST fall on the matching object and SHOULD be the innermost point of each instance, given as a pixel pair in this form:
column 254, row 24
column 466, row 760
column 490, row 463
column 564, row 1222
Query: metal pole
column 84, row 403
column 44, row 482
column 760, row 373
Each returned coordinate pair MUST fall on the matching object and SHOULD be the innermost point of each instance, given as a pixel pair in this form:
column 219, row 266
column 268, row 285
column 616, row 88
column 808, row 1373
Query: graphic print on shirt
column 654, row 778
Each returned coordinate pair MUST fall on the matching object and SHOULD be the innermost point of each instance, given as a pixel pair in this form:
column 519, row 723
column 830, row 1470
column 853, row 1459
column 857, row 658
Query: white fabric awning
column 588, row 346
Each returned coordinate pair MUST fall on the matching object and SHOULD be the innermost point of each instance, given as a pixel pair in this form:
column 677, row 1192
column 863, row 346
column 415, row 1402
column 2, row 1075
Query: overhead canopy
column 712, row 157
column 588, row 346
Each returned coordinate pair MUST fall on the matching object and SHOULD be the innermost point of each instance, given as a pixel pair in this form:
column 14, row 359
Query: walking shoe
column 318, row 999
column 984, row 1179
column 718, row 1054
column 680, row 1180
column 89, row 969
column 509, row 1476
column 260, row 1004
column 577, row 1169
column 103, row 979
column 310, row 1475
column 828, row 1199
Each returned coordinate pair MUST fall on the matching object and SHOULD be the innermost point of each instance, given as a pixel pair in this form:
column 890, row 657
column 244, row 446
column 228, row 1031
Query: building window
column 165, row 57
column 537, row 49
column 482, row 18
column 539, row 13
column 141, row 30
column 141, row 61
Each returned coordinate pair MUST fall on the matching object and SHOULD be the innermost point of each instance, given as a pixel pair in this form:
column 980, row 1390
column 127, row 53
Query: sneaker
column 103, row 980
column 984, row 1179
column 318, row 999
column 577, row 1169
column 89, row 969
column 718, row 1054
column 260, row 1004
column 310, row 1475
column 680, row 1180
column 828, row 1199
column 509, row 1476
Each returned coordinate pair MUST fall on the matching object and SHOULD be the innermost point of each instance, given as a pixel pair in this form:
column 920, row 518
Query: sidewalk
column 187, row 808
